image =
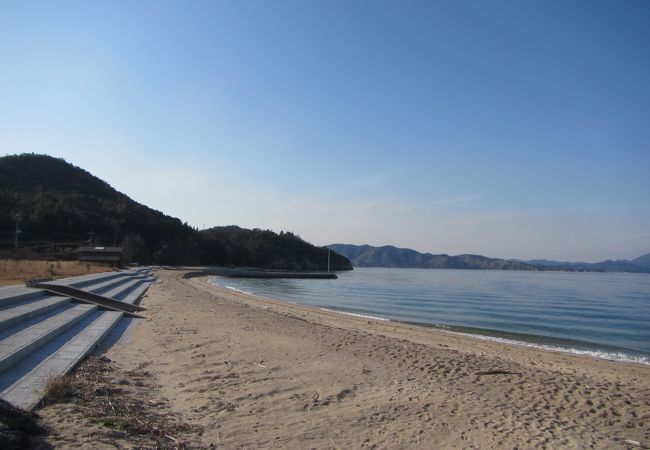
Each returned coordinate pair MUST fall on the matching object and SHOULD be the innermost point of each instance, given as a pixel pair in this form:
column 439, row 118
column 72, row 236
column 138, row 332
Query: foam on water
column 612, row 356
column 363, row 316
column 232, row 288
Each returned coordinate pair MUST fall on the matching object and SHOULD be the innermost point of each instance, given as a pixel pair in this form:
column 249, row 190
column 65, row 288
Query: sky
column 513, row 129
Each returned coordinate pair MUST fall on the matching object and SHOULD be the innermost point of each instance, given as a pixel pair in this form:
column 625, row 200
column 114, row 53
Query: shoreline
column 414, row 326
column 493, row 336
column 549, row 343
column 259, row 373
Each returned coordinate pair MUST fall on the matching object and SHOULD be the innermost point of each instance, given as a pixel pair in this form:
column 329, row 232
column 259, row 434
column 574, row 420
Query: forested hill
column 232, row 245
column 389, row 256
column 59, row 207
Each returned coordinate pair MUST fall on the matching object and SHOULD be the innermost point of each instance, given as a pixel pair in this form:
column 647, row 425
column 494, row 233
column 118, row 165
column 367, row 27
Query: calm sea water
column 600, row 314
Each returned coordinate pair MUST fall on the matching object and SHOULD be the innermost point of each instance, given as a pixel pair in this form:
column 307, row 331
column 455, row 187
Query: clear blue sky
column 506, row 128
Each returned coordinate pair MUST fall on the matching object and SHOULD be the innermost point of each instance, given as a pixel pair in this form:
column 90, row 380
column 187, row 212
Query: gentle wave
column 232, row 288
column 363, row 316
column 612, row 356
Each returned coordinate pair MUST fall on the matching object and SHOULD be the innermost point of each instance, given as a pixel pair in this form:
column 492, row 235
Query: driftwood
column 498, row 372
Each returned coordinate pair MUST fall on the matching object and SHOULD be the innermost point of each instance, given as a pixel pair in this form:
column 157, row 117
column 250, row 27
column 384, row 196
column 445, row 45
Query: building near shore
column 112, row 255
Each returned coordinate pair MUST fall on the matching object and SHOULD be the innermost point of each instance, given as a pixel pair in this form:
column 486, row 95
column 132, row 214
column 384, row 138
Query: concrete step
column 84, row 280
column 132, row 295
column 100, row 285
column 20, row 343
column 14, row 294
column 144, row 270
column 27, row 309
column 94, row 283
column 135, row 294
column 23, row 385
column 104, row 286
column 46, row 335
column 122, row 289
column 117, row 285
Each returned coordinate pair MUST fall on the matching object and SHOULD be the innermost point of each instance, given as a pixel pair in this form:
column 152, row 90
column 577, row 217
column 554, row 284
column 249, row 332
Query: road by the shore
column 257, row 373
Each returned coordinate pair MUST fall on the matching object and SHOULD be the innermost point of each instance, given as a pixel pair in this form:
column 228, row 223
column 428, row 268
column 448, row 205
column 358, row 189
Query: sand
column 256, row 373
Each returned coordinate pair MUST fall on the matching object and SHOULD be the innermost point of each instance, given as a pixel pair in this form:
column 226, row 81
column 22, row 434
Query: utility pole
column 328, row 260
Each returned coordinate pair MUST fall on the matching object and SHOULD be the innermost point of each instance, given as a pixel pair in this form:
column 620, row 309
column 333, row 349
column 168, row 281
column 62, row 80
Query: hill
column 642, row 261
column 638, row 265
column 59, row 207
column 236, row 246
column 390, row 256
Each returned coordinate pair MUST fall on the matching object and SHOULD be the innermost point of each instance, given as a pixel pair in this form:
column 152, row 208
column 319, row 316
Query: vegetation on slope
column 232, row 245
column 59, row 207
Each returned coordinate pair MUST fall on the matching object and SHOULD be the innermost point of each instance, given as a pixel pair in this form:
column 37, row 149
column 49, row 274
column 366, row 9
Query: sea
column 603, row 315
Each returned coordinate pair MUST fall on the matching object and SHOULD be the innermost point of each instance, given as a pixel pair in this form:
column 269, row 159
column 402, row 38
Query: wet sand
column 257, row 373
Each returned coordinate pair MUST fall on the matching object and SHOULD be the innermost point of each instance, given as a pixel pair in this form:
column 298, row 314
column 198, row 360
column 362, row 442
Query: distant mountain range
column 638, row 265
column 390, row 256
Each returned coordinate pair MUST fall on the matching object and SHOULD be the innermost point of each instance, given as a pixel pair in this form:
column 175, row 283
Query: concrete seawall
column 261, row 273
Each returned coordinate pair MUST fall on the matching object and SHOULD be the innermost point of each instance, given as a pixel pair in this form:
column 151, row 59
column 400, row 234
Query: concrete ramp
column 89, row 297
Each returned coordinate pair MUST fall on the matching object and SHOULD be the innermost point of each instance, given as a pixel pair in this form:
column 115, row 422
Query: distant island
column 391, row 256
column 637, row 265
column 59, row 207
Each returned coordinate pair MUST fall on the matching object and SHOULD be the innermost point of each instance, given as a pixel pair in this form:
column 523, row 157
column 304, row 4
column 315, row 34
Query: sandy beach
column 255, row 373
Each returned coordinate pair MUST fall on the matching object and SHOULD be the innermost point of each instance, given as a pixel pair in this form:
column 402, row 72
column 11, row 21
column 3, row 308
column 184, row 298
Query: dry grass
column 58, row 389
column 19, row 271
column 116, row 400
